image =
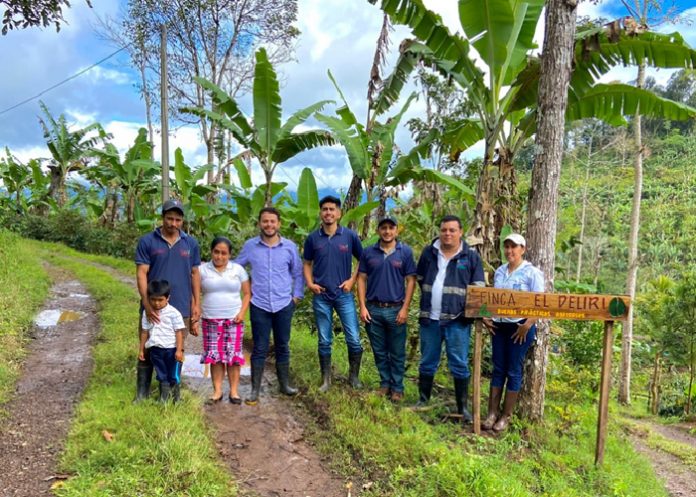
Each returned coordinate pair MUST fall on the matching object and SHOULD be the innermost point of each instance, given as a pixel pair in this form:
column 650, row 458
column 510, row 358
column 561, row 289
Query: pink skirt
column 222, row 342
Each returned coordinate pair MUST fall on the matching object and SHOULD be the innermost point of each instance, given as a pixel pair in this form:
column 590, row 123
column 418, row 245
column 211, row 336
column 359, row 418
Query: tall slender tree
column 554, row 80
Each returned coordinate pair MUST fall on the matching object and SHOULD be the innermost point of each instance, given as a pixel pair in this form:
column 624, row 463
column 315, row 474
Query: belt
column 377, row 303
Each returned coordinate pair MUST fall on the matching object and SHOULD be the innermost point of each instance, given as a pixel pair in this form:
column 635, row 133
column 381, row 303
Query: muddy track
column 264, row 446
column 679, row 479
column 53, row 377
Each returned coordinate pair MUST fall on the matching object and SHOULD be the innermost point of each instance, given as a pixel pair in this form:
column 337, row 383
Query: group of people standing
column 220, row 292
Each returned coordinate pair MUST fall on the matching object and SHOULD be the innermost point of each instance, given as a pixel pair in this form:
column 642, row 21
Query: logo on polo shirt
column 343, row 247
column 158, row 251
column 396, row 263
column 462, row 264
column 184, row 252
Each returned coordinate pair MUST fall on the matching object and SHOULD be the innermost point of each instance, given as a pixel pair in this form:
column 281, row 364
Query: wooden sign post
column 484, row 302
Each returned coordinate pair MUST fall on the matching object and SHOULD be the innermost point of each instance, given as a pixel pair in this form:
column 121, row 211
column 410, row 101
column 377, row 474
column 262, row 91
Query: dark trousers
column 508, row 357
column 168, row 369
column 262, row 322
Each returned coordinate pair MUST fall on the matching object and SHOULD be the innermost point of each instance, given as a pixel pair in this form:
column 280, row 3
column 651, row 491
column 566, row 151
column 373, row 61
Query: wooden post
column 604, row 387
column 476, row 394
column 164, row 118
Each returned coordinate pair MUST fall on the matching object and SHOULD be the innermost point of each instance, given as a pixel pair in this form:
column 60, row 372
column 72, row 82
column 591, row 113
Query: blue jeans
column 388, row 341
column 456, row 337
column 166, row 366
column 280, row 322
column 344, row 305
column 508, row 357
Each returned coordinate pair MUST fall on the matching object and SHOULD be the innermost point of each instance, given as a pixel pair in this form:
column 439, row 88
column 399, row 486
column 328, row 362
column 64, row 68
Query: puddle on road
column 192, row 367
column 51, row 317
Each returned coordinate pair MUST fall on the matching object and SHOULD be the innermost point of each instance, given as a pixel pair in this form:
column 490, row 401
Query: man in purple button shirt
column 277, row 285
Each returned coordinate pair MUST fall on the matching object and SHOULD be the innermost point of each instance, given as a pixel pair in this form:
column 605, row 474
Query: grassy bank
column 24, row 285
column 155, row 451
column 406, row 453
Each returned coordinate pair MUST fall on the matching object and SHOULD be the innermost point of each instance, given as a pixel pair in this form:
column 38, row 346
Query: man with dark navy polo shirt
column 168, row 253
column 328, row 254
column 386, row 280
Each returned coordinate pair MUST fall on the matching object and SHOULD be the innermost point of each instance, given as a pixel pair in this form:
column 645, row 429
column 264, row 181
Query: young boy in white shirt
column 163, row 340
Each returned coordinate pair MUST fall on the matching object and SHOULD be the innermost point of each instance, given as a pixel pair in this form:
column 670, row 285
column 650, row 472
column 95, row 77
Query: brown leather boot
column 508, row 407
column 493, row 408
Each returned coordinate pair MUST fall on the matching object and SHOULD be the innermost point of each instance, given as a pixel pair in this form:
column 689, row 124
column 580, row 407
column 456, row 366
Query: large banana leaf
column 494, row 25
column 358, row 212
column 596, row 54
column 246, row 140
column 351, row 140
column 429, row 28
column 267, row 109
column 383, row 136
column 391, row 89
column 307, row 195
column 295, row 143
column 462, row 135
column 611, row 102
column 227, row 105
column 300, row 117
column 242, row 173
column 525, row 38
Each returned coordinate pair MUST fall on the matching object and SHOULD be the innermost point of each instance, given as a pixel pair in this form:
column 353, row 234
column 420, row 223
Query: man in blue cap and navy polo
column 168, row 253
column 386, row 281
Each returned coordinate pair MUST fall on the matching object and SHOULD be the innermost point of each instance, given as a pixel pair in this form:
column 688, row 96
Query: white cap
column 516, row 239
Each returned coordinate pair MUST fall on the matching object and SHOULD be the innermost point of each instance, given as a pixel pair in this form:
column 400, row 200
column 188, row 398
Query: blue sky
column 336, row 34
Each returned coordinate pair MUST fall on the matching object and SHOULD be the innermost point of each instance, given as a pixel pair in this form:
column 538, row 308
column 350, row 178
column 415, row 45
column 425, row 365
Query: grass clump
column 155, row 450
column 24, row 283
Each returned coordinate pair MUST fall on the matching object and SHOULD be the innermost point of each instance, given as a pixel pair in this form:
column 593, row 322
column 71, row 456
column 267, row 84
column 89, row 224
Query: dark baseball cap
column 173, row 204
column 387, row 219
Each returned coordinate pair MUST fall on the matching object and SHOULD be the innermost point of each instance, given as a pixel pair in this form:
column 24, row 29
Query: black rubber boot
column 143, row 381
column 461, row 394
column 165, row 391
column 325, row 365
column 354, row 369
column 256, row 378
column 425, row 388
column 176, row 392
column 283, row 371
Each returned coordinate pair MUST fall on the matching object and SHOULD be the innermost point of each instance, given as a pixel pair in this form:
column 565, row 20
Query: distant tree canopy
column 21, row 14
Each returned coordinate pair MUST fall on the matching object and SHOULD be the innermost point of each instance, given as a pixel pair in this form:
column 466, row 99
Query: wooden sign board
column 482, row 302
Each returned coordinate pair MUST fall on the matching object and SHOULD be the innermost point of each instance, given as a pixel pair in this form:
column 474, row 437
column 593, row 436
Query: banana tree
column 262, row 135
column 70, row 150
column 376, row 159
column 134, row 176
column 504, row 95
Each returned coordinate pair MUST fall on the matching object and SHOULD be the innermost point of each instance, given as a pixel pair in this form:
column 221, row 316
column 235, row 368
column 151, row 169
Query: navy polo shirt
column 173, row 264
column 332, row 258
column 386, row 273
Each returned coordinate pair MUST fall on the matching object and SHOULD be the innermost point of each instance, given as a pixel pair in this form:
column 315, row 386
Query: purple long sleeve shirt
column 276, row 272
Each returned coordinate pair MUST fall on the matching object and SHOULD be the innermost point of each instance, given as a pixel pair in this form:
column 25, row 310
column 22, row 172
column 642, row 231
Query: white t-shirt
column 221, row 290
column 439, row 283
column 163, row 334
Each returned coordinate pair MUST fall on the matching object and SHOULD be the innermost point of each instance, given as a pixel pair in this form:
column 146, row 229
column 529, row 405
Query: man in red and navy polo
column 168, row 253
column 386, row 281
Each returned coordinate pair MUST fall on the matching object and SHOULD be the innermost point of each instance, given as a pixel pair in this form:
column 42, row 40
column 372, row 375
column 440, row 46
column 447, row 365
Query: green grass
column 24, row 285
column 407, row 454
column 155, row 451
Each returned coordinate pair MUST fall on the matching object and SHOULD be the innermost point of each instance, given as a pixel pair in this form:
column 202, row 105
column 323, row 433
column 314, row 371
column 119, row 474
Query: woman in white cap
column 511, row 336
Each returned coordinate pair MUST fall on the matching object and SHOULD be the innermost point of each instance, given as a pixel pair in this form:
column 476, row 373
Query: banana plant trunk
column 56, row 188
column 507, row 201
column 353, row 197
column 483, row 226
column 556, row 64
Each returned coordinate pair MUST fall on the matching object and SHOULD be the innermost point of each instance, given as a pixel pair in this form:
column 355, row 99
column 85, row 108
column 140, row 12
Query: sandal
column 235, row 400
column 211, row 401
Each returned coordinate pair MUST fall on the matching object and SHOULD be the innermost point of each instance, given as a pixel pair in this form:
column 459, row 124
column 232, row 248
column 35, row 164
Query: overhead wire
column 70, row 78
